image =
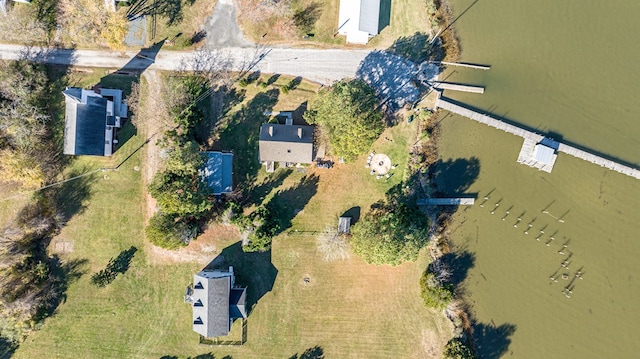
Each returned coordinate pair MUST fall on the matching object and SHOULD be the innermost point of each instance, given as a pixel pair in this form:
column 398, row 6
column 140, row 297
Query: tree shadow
column 354, row 213
column 452, row 178
column 271, row 80
column 253, row 270
column 241, row 132
column 311, row 353
column 416, row 48
column 491, row 341
column 257, row 192
column 7, row 348
column 384, row 17
column 287, row 203
column 459, row 263
column 72, row 197
column 61, row 275
column 391, row 76
column 305, row 19
column 293, row 84
column 171, row 10
column 116, row 266
column 298, row 113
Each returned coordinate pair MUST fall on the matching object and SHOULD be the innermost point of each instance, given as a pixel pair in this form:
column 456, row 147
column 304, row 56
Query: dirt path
column 151, row 119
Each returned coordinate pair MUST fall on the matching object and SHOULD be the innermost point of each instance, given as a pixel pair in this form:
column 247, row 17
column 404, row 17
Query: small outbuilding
column 344, row 225
column 541, row 155
column 218, row 171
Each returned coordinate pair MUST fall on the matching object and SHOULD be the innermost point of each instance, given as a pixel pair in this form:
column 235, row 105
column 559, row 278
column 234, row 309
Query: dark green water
column 570, row 68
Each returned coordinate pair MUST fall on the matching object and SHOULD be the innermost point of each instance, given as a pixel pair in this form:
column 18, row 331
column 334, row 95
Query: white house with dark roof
column 216, row 302
column 91, row 119
column 359, row 20
column 285, row 143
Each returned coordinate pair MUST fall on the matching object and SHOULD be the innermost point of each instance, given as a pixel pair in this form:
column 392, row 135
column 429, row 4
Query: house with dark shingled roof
column 91, row 119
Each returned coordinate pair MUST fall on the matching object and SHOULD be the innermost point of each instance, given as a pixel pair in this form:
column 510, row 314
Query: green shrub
column 169, row 232
column 435, row 294
column 457, row 349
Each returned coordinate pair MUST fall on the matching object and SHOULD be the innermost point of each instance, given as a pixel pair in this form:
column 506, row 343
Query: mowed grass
column 348, row 308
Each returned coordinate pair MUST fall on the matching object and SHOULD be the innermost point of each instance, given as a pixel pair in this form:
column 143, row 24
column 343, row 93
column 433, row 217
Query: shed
column 218, row 171
column 344, row 225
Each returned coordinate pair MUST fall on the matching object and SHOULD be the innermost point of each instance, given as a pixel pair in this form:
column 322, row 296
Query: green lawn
column 348, row 309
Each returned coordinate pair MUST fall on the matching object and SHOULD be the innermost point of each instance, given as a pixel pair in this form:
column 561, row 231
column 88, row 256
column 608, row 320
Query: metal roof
column 543, row 154
column 286, row 143
column 218, row 171
column 369, row 16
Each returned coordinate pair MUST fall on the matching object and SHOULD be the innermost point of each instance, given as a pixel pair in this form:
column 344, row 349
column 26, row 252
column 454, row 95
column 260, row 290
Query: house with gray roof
column 217, row 171
column 288, row 144
column 359, row 20
column 216, row 302
column 91, row 119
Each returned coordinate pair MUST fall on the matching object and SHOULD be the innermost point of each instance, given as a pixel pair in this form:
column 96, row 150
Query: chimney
column 271, row 131
column 300, row 132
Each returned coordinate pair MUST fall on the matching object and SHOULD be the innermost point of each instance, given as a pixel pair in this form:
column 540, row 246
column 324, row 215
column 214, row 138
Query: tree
column 348, row 114
column 90, row 21
column 457, row 349
column 435, row 294
column 169, row 232
column 179, row 189
column 115, row 29
column 333, row 245
column 391, row 233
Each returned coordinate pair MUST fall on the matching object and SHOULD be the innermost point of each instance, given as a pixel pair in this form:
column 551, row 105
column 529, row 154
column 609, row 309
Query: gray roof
column 286, row 143
column 85, row 124
column 369, row 16
column 344, row 225
column 216, row 303
column 218, row 170
column 543, row 154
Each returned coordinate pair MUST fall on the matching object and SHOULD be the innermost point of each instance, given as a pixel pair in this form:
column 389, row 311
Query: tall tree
column 391, row 233
column 348, row 114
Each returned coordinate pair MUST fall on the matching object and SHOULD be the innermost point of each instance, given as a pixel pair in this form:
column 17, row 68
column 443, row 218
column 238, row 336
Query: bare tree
column 333, row 245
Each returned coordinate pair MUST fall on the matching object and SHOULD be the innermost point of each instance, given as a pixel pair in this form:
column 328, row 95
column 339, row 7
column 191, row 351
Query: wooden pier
column 445, row 201
column 462, row 64
column 536, row 138
column 458, row 87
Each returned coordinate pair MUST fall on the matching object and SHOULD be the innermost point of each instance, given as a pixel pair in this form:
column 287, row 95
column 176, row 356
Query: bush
column 435, row 294
column 262, row 225
column 391, row 233
column 457, row 349
column 169, row 232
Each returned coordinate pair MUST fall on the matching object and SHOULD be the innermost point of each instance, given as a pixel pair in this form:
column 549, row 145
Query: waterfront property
column 218, row 171
column 287, row 144
column 216, row 302
column 91, row 119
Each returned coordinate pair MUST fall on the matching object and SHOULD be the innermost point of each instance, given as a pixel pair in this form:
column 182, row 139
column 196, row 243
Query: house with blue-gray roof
column 91, row 120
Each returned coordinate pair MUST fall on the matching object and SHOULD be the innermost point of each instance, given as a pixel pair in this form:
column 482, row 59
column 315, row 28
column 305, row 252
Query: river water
column 570, row 69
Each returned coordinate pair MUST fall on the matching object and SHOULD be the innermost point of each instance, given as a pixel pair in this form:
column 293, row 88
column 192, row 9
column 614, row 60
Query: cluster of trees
column 89, row 20
column 29, row 143
column 457, row 349
column 287, row 17
column 392, row 232
column 182, row 195
column 32, row 282
column 348, row 115
column 435, row 293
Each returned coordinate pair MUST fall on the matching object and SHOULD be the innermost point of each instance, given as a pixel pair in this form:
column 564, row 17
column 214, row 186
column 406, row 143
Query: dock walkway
column 532, row 136
column 445, row 201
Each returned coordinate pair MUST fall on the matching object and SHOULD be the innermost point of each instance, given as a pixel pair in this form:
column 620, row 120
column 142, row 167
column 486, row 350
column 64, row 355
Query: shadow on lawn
column 116, row 266
column 287, row 203
column 241, row 132
column 257, row 192
column 312, row 353
column 72, row 197
column 171, row 10
column 200, row 356
column 253, row 270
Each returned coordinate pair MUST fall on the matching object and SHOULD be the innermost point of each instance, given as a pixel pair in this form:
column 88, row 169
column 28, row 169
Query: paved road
column 324, row 66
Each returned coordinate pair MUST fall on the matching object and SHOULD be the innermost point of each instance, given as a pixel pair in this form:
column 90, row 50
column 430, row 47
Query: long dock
column 532, row 136
column 445, row 201
column 458, row 87
column 462, row 64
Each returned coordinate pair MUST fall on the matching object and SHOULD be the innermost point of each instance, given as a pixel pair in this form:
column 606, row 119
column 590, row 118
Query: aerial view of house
column 327, row 179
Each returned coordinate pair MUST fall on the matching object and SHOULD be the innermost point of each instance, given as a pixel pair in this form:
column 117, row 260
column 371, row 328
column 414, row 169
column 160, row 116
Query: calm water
column 571, row 68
